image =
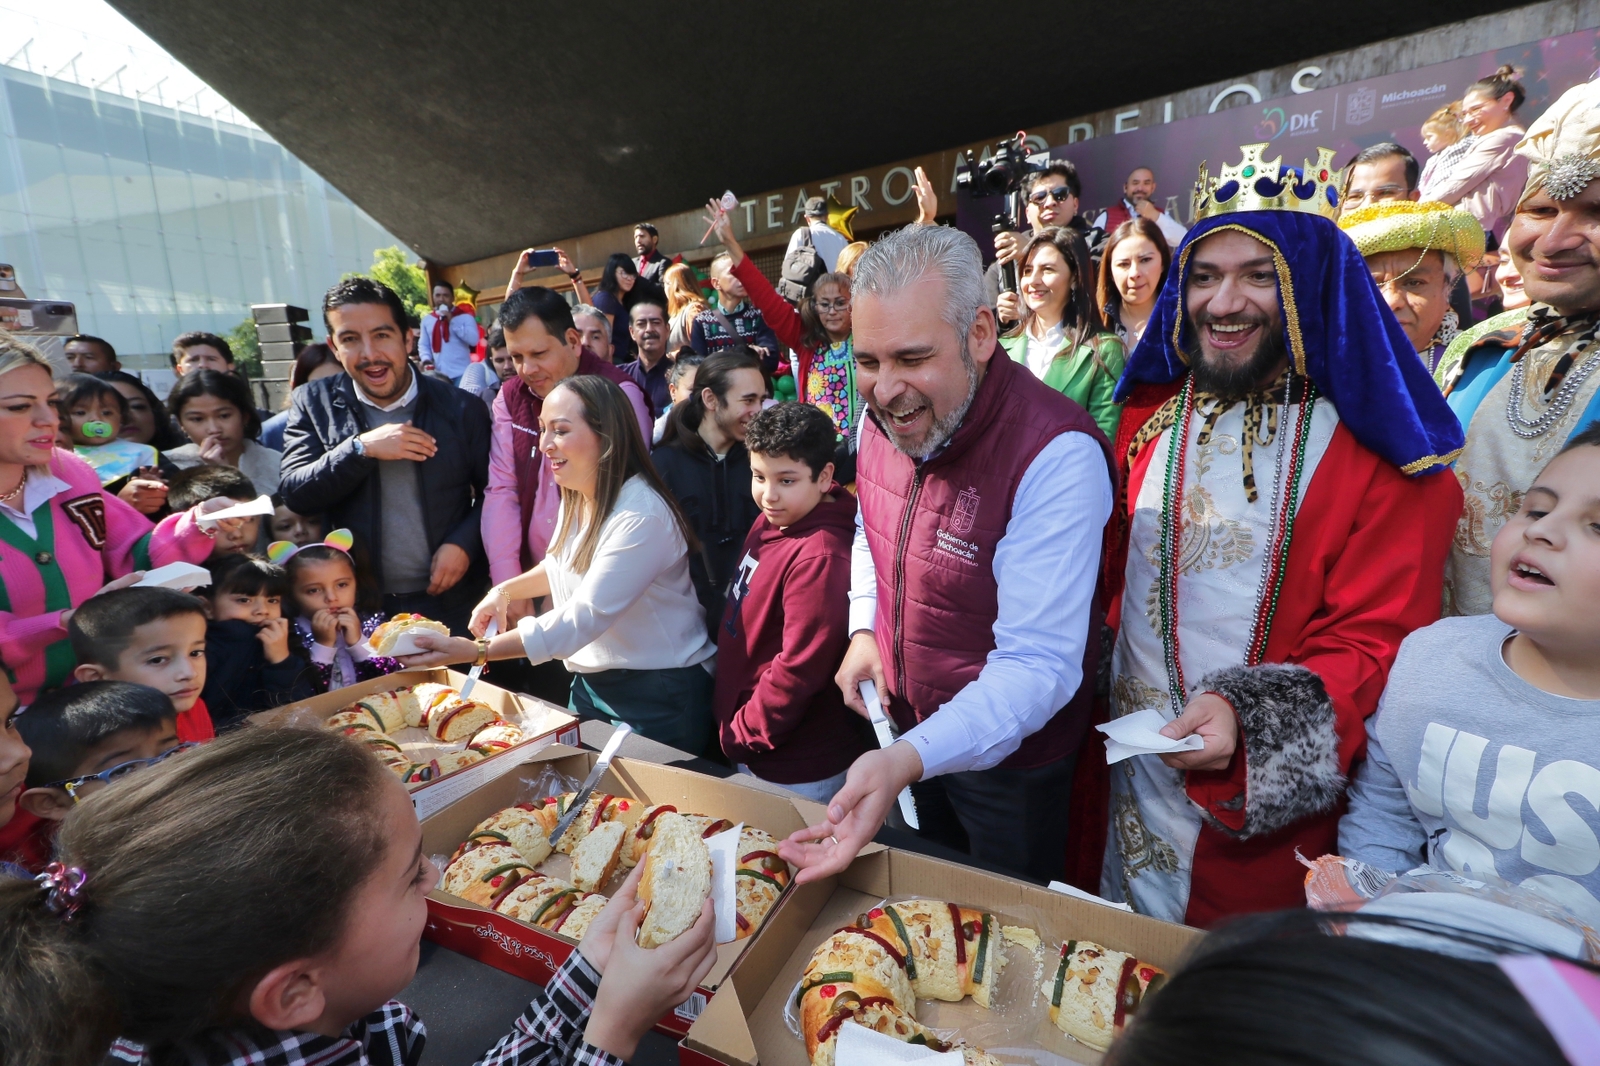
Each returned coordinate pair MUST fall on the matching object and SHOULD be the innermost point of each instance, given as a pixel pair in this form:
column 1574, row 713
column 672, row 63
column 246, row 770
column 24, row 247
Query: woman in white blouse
column 624, row 616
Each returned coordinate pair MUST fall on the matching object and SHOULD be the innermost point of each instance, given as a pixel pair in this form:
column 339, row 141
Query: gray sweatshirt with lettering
column 1471, row 768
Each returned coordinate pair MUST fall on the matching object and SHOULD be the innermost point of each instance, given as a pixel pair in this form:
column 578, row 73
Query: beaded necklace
column 1576, row 377
column 1273, row 560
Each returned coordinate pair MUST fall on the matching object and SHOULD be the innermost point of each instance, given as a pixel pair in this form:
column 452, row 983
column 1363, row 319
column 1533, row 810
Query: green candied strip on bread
column 493, row 834
column 831, row 977
column 758, row 875
column 1061, row 972
column 503, row 869
column 983, row 947
column 377, row 719
column 894, row 919
column 544, row 908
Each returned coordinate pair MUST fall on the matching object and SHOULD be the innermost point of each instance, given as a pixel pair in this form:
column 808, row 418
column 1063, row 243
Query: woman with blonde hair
column 62, row 538
column 624, row 616
column 846, row 264
column 684, row 301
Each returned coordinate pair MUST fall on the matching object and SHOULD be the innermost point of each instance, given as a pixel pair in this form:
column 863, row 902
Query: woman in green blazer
column 1056, row 332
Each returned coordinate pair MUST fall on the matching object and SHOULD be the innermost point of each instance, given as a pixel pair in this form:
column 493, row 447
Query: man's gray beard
column 944, row 428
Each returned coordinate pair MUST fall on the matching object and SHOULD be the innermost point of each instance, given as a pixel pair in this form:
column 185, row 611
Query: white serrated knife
column 607, row 753
column 886, row 736
column 472, row 675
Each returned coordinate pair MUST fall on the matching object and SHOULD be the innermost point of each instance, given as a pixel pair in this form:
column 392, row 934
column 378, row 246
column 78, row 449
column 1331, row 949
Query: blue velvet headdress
column 1339, row 331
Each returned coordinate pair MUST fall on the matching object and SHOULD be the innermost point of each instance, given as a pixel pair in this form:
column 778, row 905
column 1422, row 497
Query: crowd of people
column 1312, row 482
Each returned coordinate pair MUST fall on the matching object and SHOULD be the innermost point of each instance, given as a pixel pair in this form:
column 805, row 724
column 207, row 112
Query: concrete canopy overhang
column 469, row 130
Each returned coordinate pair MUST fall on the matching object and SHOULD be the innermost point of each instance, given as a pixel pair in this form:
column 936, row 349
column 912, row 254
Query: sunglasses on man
column 122, row 769
column 1060, row 194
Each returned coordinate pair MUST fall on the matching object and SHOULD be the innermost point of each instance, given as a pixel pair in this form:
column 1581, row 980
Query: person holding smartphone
column 533, row 259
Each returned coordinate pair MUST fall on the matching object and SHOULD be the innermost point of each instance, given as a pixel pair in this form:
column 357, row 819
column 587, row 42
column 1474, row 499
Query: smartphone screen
column 544, row 257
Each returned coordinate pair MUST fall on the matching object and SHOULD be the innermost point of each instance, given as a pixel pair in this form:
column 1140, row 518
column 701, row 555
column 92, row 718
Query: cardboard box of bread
column 440, row 745
column 508, row 899
column 929, row 952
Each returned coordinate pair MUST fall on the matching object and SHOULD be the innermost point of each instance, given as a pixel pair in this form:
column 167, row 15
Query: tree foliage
column 246, row 345
column 390, row 266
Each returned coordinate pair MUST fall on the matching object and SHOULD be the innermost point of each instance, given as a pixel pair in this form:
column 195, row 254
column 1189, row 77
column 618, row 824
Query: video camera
column 1001, row 174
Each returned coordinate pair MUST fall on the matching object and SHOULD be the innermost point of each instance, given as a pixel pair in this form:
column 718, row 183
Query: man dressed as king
column 1526, row 381
column 1288, row 512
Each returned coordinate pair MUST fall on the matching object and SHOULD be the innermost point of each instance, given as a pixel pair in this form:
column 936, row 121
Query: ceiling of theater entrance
column 471, row 129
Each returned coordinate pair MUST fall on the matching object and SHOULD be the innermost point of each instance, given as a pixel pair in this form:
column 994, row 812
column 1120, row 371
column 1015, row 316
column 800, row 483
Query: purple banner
column 1345, row 118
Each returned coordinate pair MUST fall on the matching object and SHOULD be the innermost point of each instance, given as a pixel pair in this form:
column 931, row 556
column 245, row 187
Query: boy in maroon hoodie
column 784, row 629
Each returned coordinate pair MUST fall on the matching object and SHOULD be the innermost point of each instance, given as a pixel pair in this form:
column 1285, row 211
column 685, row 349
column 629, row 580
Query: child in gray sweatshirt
column 1484, row 754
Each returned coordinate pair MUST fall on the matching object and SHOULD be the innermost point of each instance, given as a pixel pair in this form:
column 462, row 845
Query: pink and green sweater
column 85, row 538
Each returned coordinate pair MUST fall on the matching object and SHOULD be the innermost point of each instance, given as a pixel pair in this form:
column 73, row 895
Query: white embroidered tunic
column 1225, row 538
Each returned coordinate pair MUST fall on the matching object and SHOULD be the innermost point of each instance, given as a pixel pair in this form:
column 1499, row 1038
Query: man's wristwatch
column 483, row 652
column 358, row 445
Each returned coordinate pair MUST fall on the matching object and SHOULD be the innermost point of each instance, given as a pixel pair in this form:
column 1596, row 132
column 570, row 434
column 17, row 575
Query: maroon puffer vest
column 933, row 529
column 524, row 408
column 1116, row 215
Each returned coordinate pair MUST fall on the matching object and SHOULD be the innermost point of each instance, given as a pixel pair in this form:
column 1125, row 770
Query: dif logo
column 1275, row 122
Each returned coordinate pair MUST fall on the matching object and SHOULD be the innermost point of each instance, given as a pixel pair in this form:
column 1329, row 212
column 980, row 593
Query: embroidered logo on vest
column 89, row 513
column 966, row 512
column 950, row 540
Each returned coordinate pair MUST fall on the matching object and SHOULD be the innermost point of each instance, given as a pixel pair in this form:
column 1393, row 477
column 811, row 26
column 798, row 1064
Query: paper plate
column 406, row 643
column 261, row 505
column 175, row 576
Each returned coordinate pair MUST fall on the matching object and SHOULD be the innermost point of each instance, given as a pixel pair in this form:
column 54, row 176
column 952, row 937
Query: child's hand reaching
column 274, row 638
column 642, row 984
column 325, row 626
column 145, row 495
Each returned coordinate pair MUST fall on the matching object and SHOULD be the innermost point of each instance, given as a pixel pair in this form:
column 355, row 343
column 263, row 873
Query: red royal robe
column 1365, row 569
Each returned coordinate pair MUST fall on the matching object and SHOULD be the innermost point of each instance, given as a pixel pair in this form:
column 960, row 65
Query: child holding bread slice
column 137, row 941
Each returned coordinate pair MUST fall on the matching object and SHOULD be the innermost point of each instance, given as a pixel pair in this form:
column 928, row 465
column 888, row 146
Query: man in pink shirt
column 522, row 502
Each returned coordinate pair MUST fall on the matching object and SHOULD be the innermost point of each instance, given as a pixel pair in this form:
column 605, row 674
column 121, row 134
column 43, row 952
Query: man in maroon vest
column 521, row 503
column 983, row 496
column 1138, row 198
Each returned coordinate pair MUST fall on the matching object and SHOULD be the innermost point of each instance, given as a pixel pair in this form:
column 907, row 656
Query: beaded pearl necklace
column 1577, row 376
column 1287, row 492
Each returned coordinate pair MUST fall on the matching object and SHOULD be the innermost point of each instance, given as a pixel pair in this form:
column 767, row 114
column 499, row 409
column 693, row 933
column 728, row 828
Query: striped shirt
column 548, row 1033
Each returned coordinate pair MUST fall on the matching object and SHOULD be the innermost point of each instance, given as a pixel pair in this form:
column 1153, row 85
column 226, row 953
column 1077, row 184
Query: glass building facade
column 154, row 221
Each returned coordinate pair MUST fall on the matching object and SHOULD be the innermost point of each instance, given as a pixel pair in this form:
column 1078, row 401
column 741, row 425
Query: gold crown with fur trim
column 1258, row 185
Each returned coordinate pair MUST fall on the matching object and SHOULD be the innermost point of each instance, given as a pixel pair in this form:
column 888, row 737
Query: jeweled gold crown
column 1256, row 185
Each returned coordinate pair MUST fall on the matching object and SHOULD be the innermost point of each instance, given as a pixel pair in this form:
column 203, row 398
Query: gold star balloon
column 839, row 217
